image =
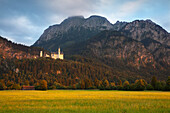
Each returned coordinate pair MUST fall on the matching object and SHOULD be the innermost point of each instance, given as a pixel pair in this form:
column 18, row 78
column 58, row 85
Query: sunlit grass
column 84, row 101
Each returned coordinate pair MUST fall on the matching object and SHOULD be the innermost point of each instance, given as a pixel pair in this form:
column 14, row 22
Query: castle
column 53, row 55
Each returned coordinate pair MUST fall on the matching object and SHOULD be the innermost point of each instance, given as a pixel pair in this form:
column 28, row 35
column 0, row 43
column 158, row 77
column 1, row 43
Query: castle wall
column 54, row 55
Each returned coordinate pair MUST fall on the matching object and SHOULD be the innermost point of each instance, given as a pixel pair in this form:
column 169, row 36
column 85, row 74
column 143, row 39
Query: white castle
column 53, row 55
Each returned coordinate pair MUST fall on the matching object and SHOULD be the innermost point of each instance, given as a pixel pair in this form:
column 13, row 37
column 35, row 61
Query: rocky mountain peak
column 73, row 21
column 119, row 25
column 71, row 27
column 98, row 22
column 142, row 29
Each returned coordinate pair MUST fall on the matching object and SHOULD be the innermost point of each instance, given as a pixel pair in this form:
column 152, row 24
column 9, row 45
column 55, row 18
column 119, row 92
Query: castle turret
column 41, row 53
column 58, row 51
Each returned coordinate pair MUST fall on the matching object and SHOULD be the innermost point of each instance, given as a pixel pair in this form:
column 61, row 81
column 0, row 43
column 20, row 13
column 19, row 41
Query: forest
column 79, row 73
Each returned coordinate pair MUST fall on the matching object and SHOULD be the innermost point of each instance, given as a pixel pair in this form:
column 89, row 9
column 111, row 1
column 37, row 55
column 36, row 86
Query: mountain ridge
column 8, row 49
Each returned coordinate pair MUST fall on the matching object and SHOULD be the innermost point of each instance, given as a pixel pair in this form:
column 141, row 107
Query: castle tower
column 41, row 53
column 59, row 51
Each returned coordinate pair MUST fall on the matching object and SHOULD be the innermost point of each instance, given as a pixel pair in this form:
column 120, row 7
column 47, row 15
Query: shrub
column 2, row 86
column 149, row 87
column 16, row 86
column 126, row 85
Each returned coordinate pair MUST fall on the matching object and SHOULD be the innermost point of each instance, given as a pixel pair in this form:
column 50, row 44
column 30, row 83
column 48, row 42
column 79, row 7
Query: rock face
column 113, row 44
column 141, row 30
column 155, row 39
column 72, row 30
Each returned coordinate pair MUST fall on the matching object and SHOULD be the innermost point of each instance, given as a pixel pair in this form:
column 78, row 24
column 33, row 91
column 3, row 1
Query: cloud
column 130, row 7
column 20, row 28
column 126, row 9
column 25, row 20
column 69, row 7
column 19, row 24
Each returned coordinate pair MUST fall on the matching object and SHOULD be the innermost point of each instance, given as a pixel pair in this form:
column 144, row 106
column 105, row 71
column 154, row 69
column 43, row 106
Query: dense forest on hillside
column 68, row 73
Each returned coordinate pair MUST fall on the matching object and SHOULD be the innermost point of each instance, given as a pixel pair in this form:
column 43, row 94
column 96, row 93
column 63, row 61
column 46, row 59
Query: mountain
column 155, row 39
column 144, row 29
column 75, row 31
column 9, row 50
column 129, row 50
column 72, row 30
column 122, row 53
column 111, row 45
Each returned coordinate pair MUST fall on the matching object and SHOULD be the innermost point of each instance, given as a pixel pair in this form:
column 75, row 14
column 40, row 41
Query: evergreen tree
column 149, row 87
column 154, row 82
column 168, row 84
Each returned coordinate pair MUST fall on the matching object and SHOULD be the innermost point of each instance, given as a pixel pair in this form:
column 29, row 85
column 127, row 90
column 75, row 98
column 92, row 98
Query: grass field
column 85, row 101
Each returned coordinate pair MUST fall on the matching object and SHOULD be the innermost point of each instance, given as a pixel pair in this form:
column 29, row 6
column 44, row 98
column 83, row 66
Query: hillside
column 9, row 49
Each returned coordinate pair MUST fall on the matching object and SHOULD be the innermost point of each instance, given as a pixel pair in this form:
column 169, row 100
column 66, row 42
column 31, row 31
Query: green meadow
column 84, row 101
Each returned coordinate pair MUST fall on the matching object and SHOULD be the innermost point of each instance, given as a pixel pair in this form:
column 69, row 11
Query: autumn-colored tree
column 43, row 85
column 126, row 85
column 9, row 85
column 119, row 83
column 139, row 85
column 82, row 84
column 37, row 85
column 27, row 83
column 2, row 86
column 16, row 86
column 104, row 84
column 88, row 83
column 96, row 83
column 112, row 86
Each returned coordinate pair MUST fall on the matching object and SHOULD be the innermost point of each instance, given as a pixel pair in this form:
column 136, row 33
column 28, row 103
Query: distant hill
column 9, row 49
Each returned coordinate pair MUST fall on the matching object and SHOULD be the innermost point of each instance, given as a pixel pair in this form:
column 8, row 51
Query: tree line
column 138, row 85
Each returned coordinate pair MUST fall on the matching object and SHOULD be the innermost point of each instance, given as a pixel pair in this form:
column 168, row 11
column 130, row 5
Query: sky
column 23, row 21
